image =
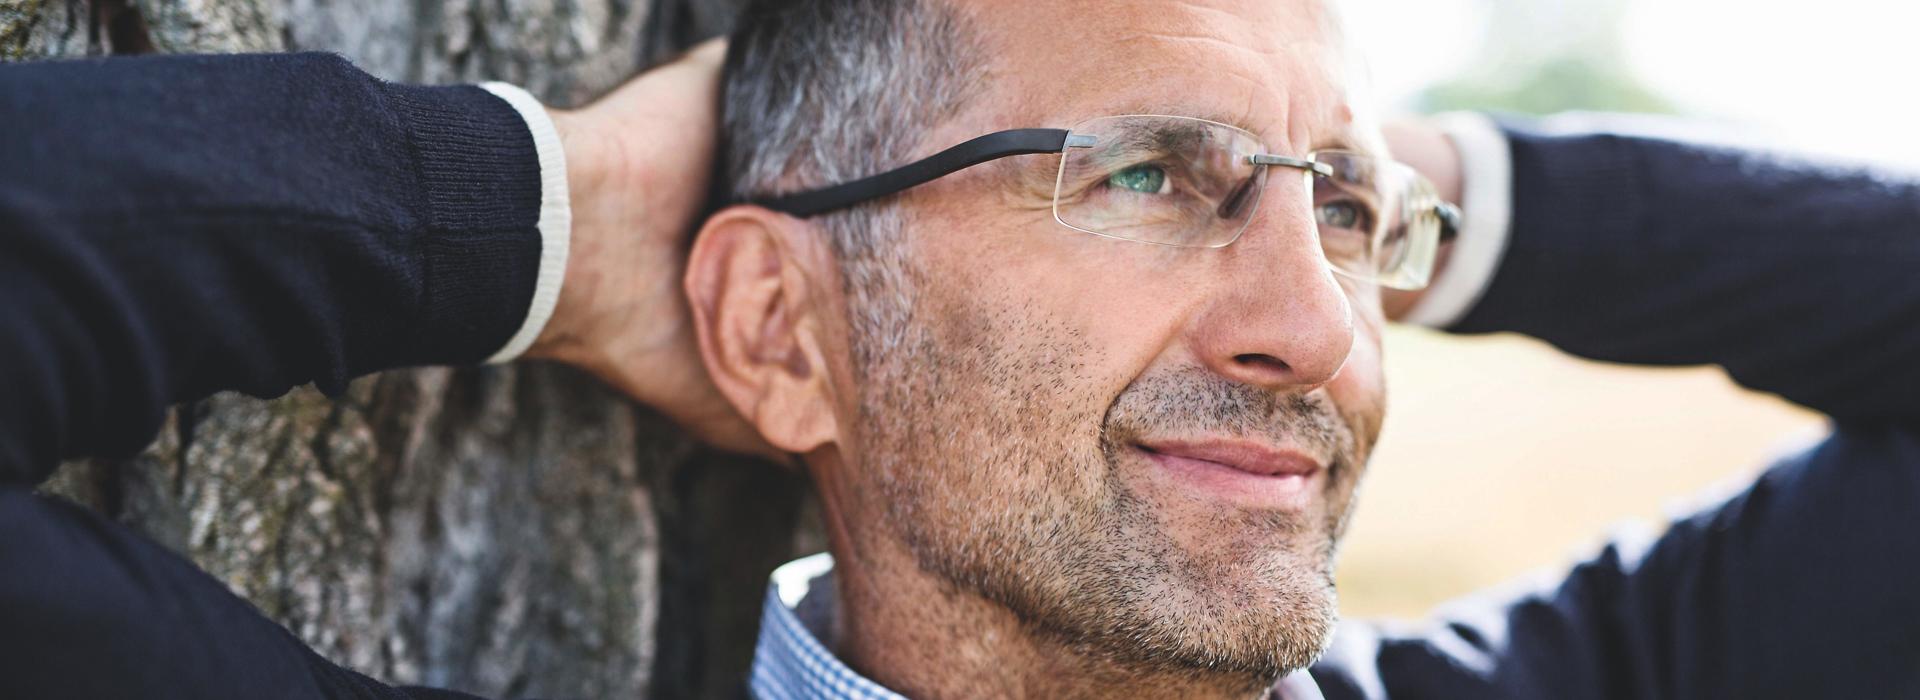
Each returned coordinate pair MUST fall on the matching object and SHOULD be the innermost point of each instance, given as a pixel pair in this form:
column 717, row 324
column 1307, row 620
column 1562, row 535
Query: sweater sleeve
column 1798, row 278
column 1797, row 587
column 172, row 227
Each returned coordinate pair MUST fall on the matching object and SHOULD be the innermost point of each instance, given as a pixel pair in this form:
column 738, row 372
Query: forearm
column 1799, row 280
column 178, row 226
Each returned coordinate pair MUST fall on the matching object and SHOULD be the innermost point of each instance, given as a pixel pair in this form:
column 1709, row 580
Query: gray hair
column 819, row 92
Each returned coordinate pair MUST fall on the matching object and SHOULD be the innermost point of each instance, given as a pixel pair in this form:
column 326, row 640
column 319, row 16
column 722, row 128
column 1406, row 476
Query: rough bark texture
column 503, row 531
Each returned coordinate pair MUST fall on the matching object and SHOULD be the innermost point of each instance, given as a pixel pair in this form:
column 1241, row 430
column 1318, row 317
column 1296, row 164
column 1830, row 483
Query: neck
column 925, row 638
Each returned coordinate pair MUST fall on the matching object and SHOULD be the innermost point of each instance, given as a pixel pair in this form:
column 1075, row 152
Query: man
column 1079, row 434
column 1055, row 462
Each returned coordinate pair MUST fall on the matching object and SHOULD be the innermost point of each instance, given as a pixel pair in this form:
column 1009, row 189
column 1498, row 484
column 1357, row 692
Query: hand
column 1424, row 147
column 638, row 163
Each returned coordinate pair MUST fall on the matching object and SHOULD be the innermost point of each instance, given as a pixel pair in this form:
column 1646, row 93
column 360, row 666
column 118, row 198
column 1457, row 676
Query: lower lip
column 1262, row 491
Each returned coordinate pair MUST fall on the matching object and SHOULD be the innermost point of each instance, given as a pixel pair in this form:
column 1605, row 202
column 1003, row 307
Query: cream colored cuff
column 1486, row 167
column 556, row 218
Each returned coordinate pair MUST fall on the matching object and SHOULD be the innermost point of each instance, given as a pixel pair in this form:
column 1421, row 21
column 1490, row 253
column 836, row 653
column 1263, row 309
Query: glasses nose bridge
column 1289, row 206
column 1266, row 167
column 1276, row 160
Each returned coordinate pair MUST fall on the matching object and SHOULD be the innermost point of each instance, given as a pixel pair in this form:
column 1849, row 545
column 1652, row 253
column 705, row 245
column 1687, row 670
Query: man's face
column 1146, row 452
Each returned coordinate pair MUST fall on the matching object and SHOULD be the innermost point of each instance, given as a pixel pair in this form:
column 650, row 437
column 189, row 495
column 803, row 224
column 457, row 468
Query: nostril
column 1262, row 362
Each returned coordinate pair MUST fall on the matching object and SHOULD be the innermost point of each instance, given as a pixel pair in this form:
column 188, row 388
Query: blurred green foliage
column 1546, row 58
column 1561, row 84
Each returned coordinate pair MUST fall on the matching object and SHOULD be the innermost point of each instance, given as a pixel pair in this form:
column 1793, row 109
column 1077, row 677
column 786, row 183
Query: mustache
column 1194, row 401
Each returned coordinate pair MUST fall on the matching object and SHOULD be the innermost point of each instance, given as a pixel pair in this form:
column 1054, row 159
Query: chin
column 1228, row 594
column 1238, row 631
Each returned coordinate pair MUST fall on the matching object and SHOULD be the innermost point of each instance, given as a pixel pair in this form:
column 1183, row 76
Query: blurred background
column 1503, row 458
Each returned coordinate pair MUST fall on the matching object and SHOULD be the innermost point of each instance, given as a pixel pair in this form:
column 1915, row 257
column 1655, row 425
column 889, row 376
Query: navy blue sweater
column 172, row 227
column 1800, row 280
column 175, row 226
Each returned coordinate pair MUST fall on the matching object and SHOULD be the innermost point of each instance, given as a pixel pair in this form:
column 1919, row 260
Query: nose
column 1280, row 320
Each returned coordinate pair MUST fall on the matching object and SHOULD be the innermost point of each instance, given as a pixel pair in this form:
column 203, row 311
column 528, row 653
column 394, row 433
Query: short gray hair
column 819, row 92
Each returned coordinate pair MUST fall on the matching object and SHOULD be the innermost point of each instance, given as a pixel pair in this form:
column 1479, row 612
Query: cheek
column 1119, row 303
column 1044, row 341
column 992, row 422
column 1132, row 300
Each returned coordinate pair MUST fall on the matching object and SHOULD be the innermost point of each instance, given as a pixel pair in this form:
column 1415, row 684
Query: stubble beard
column 1004, row 482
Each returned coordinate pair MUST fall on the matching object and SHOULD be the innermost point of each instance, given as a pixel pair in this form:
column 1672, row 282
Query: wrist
column 620, row 279
column 565, row 336
column 638, row 161
column 554, row 222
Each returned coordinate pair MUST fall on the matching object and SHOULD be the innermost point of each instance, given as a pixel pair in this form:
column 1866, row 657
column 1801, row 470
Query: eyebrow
column 1175, row 110
column 1163, row 136
column 1341, row 142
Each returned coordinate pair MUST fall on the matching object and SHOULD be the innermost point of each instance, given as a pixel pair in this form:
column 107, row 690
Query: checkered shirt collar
column 790, row 663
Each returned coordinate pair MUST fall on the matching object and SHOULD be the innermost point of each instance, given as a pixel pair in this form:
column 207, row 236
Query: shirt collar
column 790, row 663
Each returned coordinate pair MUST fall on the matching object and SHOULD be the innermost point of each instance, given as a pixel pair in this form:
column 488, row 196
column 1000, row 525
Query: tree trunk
column 502, row 531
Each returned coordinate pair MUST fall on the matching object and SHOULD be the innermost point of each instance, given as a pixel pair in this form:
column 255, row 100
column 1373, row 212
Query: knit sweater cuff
column 556, row 217
column 480, row 177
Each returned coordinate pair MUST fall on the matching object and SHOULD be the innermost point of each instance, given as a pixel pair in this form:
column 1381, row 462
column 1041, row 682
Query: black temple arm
column 999, row 144
column 1450, row 219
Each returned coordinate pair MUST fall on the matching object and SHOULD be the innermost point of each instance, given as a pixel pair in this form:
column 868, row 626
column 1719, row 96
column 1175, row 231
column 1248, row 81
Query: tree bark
column 502, row 531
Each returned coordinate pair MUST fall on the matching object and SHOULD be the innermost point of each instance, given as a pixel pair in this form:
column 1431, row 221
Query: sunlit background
column 1503, row 459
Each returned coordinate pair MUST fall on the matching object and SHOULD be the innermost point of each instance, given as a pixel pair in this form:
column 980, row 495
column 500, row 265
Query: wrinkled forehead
column 1278, row 68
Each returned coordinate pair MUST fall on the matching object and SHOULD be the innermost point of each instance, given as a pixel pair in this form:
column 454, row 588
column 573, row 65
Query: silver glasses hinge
column 1081, row 140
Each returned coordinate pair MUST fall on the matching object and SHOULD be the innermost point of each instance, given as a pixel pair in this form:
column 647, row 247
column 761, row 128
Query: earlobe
column 750, row 281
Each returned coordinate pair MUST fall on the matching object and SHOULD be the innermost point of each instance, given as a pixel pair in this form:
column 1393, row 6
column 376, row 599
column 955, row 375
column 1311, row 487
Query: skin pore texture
column 997, row 436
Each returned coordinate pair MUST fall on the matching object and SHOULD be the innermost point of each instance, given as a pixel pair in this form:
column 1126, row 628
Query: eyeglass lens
column 1188, row 182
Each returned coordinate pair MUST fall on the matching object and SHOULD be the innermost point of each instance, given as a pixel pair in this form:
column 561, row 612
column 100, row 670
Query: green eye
column 1145, row 179
column 1344, row 215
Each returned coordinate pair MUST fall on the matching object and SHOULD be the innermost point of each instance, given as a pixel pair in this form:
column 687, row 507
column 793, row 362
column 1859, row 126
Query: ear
column 757, row 281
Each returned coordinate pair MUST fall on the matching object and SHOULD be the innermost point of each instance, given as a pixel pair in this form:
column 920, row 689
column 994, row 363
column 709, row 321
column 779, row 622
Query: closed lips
column 1240, row 455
